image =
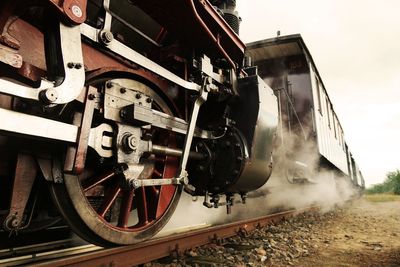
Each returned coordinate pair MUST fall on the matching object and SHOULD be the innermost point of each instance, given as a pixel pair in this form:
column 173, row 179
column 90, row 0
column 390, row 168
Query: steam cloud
column 324, row 188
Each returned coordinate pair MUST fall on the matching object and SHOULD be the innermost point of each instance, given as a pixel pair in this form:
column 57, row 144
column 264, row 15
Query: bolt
column 78, row 66
column 122, row 90
column 106, row 37
column 11, row 222
column 184, row 181
column 15, row 222
column 77, row 11
column 138, row 96
column 48, row 96
column 71, row 65
column 91, row 96
column 149, row 100
column 122, row 113
column 132, row 143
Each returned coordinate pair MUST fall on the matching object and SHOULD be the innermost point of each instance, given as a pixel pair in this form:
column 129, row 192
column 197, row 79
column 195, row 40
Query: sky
column 356, row 48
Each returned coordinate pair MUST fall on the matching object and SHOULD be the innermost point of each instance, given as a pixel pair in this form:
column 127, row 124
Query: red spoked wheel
column 102, row 209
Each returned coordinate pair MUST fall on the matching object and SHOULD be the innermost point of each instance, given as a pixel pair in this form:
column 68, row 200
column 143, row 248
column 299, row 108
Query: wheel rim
column 102, row 210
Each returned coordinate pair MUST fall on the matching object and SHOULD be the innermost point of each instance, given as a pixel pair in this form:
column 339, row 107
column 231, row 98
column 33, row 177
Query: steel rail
column 165, row 246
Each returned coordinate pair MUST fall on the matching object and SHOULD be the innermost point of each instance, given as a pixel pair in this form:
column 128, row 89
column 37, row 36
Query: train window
column 334, row 124
column 317, row 86
column 343, row 144
column 327, row 112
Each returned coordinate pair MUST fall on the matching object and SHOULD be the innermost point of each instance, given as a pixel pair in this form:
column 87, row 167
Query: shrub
column 390, row 185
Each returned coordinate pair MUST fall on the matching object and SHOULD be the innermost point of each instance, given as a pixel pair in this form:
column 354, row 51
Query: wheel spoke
column 166, row 192
column 161, row 160
column 109, row 200
column 126, row 207
column 141, row 204
column 157, row 173
column 92, row 182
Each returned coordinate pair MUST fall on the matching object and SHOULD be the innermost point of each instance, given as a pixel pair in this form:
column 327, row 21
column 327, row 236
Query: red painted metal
column 109, row 199
column 91, row 183
column 73, row 10
column 166, row 192
column 126, row 208
column 142, row 207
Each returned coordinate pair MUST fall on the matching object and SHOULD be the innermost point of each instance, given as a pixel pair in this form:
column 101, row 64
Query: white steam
column 319, row 187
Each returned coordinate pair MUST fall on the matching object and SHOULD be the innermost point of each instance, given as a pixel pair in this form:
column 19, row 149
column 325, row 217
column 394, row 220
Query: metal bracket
column 139, row 113
column 70, row 49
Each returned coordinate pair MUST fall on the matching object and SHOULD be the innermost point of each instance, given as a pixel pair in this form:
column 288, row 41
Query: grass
column 383, row 197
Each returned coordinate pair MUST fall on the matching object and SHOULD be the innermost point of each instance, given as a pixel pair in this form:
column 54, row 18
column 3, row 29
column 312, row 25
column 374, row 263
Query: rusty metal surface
column 10, row 57
column 31, row 45
column 7, row 18
column 84, row 131
column 25, row 174
column 158, row 248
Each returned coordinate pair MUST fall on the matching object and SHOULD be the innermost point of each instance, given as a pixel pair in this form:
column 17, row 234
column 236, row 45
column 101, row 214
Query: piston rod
column 163, row 150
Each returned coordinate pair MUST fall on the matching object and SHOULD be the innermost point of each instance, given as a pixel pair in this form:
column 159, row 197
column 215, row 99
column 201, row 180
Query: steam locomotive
column 110, row 109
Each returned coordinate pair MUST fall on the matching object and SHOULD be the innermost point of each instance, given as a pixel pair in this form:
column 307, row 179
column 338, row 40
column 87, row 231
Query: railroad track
column 90, row 255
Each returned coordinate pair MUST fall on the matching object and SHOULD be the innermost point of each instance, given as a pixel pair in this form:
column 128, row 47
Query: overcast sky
column 356, row 47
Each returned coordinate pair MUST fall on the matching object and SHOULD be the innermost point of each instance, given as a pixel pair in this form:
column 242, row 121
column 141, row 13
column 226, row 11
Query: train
column 110, row 110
